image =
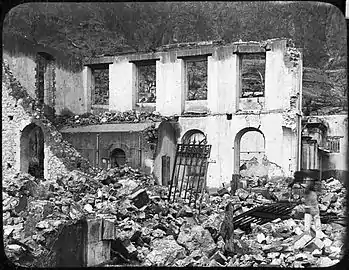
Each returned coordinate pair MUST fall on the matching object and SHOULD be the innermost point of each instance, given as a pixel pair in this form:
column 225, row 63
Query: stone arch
column 117, row 157
column 260, row 147
column 194, row 136
column 32, row 150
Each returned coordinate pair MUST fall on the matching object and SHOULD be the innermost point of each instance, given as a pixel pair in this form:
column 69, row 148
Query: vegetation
column 90, row 29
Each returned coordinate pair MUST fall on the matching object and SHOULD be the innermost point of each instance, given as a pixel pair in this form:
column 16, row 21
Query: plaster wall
column 59, row 156
column 221, row 134
column 69, row 91
column 23, row 68
column 122, row 83
column 68, row 85
column 337, row 126
column 136, row 150
column 170, row 87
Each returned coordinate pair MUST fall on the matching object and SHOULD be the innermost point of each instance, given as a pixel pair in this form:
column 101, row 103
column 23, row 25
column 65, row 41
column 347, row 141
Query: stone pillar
column 275, row 73
column 170, row 86
column 122, row 86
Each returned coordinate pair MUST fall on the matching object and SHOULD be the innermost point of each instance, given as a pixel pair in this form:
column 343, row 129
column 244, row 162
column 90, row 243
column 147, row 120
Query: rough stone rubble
column 148, row 231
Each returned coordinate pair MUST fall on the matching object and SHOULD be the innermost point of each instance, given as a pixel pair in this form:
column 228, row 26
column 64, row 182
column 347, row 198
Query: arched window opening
column 249, row 144
column 117, row 158
column 32, row 151
column 194, row 136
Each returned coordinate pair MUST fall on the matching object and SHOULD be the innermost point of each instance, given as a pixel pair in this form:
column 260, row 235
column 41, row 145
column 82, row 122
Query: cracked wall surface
column 18, row 111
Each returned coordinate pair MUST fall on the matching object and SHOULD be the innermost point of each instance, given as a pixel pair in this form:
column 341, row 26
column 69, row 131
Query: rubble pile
column 108, row 117
column 35, row 210
column 146, row 230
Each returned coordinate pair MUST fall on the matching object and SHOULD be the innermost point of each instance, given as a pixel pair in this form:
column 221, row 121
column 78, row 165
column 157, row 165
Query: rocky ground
column 149, row 231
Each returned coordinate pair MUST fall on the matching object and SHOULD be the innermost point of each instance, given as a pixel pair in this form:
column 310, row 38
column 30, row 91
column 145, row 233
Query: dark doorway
column 117, row 158
column 32, row 151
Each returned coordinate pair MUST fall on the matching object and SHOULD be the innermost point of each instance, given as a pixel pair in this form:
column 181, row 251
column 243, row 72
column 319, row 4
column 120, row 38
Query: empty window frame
column 252, row 75
column 146, row 82
column 196, row 78
column 100, row 93
column 44, row 76
column 333, row 144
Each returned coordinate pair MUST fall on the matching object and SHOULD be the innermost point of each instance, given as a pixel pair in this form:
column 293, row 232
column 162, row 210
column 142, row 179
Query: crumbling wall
column 18, row 111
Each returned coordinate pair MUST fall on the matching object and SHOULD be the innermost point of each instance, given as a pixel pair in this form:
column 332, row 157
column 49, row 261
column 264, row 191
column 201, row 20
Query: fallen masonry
column 121, row 217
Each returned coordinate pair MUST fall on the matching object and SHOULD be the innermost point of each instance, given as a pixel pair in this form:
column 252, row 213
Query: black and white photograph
column 175, row 134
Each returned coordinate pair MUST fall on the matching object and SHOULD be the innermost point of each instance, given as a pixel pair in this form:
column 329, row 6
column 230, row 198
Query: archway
column 117, row 158
column 32, row 151
column 194, row 136
column 249, row 143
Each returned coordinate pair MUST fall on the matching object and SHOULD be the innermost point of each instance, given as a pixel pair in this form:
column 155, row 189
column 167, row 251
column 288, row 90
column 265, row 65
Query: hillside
column 87, row 30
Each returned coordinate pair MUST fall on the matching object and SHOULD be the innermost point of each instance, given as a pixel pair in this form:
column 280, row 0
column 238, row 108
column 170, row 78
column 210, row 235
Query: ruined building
column 243, row 98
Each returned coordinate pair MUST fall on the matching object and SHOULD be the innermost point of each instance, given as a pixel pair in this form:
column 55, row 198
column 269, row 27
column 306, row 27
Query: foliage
column 197, row 79
column 95, row 29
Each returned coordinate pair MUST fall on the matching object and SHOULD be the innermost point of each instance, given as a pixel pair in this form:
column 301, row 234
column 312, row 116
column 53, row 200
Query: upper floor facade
column 204, row 77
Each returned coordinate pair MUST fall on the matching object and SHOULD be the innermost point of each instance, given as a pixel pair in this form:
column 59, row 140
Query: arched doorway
column 249, row 143
column 32, row 151
column 117, row 158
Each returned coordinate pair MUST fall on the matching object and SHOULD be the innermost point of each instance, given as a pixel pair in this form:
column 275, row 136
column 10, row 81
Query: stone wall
column 18, row 111
column 67, row 84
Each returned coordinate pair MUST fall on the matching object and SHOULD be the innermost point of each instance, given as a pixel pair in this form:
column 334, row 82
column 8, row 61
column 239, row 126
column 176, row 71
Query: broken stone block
column 158, row 233
column 316, row 243
column 327, row 242
column 273, row 255
column 260, row 238
column 219, row 257
column 242, row 194
column 165, row 251
column 140, row 198
column 214, row 263
column 316, row 253
column 185, row 211
column 197, row 237
column 203, row 261
column 324, row 262
column 298, row 231
column 88, row 207
column 222, row 191
column 275, row 261
column 302, row 241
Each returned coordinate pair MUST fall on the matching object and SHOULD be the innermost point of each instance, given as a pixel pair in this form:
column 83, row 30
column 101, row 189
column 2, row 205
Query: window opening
column 44, row 77
column 333, row 144
column 100, row 95
column 253, row 75
column 196, row 75
column 117, row 158
column 146, row 82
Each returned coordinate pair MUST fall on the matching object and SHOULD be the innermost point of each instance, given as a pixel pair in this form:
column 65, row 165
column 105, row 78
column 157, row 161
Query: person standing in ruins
column 311, row 209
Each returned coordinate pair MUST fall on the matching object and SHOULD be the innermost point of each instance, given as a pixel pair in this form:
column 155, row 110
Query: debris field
column 144, row 229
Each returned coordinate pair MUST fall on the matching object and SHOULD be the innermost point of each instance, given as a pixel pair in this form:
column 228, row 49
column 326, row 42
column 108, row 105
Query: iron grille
column 189, row 173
